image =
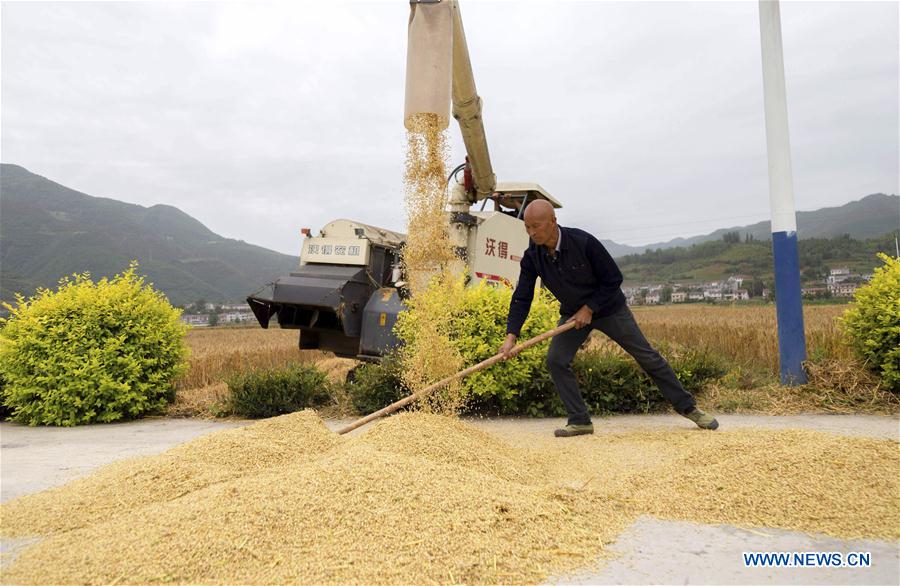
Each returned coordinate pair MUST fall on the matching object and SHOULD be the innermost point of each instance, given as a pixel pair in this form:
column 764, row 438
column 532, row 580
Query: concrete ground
column 652, row 551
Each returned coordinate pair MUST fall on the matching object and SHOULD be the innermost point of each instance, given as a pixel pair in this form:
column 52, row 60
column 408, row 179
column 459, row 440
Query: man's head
column 540, row 222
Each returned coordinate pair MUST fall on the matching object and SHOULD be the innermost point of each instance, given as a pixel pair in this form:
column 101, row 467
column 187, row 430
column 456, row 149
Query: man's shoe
column 575, row 429
column 703, row 420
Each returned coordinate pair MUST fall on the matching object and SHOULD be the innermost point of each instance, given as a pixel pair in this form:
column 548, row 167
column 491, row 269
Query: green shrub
column 276, row 391
column 5, row 412
column 91, row 352
column 693, row 367
column 610, row 381
column 872, row 323
column 476, row 324
column 373, row 386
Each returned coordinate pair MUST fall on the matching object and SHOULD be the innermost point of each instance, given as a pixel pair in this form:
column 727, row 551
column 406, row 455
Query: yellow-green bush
column 474, row 318
column 872, row 323
column 90, row 352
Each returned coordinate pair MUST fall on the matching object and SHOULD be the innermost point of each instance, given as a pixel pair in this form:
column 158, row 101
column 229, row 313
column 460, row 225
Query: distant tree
column 755, row 287
column 810, row 274
column 214, row 319
column 666, row 294
column 732, row 237
column 198, row 306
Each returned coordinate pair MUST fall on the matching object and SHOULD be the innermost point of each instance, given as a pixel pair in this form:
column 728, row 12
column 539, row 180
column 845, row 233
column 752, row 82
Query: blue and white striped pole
column 788, row 303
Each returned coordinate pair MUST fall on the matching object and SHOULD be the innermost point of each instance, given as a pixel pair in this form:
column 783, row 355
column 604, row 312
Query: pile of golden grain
column 425, row 498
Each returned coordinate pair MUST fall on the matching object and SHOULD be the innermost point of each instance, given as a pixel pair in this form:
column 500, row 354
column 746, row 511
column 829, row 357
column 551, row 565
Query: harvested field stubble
column 835, row 386
column 219, row 352
column 747, row 334
column 427, row 498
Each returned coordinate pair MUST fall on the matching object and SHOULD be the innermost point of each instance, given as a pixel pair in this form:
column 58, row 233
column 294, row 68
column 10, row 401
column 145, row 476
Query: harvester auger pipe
column 438, row 68
column 461, row 374
column 467, row 111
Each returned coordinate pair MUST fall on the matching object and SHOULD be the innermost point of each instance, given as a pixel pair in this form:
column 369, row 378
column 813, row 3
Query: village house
column 679, row 296
column 734, row 282
column 843, row 289
column 713, row 293
column 233, row 317
column 737, row 295
column 838, row 275
column 815, row 291
column 195, row 319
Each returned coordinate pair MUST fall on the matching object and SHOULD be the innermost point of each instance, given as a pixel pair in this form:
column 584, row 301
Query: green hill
column 48, row 231
column 716, row 260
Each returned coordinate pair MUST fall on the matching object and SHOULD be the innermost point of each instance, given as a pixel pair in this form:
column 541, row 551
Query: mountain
column 48, row 231
column 869, row 217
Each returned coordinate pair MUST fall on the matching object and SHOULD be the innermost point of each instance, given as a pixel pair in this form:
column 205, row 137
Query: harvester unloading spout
column 428, row 62
column 438, row 68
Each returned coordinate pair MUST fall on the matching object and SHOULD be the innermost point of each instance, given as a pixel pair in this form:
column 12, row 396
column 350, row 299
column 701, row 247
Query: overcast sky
column 644, row 119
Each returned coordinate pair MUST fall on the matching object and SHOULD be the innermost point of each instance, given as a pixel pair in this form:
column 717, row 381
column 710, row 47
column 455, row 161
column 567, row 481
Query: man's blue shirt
column 582, row 273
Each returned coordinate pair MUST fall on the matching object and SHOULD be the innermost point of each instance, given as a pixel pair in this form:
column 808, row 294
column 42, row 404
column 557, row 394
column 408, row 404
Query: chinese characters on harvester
column 500, row 249
column 337, row 250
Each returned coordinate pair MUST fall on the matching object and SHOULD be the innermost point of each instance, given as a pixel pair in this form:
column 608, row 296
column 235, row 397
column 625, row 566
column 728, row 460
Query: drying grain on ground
column 427, row 498
column 139, row 482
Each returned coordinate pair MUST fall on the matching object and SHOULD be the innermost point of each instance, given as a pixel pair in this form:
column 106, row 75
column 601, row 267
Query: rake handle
column 463, row 373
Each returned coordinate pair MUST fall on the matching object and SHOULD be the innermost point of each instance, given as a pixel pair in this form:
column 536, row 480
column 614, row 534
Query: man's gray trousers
column 622, row 328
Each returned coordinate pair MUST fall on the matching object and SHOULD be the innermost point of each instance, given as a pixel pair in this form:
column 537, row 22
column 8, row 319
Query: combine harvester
column 348, row 289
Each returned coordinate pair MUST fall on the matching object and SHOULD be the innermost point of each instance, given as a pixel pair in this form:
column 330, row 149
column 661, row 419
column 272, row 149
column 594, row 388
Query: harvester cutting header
column 348, row 289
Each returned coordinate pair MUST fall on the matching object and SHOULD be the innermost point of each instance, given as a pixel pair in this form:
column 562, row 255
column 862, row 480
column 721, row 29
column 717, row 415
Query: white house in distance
column 843, row 289
column 195, row 319
column 838, row 275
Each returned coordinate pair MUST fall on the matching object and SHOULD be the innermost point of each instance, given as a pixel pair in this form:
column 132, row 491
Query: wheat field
column 217, row 353
column 746, row 334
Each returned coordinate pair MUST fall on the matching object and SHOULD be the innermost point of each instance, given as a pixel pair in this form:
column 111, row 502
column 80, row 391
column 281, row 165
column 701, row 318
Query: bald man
column 581, row 274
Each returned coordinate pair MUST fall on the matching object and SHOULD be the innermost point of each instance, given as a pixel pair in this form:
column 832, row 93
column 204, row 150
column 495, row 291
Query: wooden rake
column 461, row 374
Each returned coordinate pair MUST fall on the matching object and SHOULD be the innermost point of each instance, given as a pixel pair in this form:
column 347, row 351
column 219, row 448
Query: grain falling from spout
column 427, row 257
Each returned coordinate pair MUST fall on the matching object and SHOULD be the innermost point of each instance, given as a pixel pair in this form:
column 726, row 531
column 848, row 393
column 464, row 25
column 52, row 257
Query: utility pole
column 788, row 301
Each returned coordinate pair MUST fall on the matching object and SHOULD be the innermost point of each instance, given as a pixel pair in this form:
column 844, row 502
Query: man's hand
column 582, row 317
column 508, row 344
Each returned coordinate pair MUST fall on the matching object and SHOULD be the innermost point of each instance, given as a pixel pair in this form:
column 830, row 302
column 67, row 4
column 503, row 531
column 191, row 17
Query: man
column 581, row 274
